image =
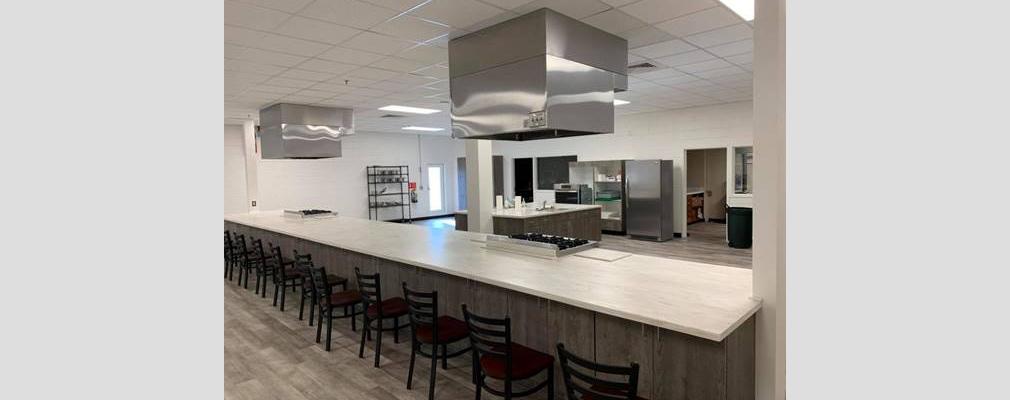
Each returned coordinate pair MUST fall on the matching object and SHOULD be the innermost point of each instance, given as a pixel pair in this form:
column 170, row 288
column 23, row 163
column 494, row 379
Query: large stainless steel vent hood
column 300, row 131
column 537, row 76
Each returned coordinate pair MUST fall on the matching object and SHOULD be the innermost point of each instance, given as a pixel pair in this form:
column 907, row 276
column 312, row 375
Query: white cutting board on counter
column 602, row 254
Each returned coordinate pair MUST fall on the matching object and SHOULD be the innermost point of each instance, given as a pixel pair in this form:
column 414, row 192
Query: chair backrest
column 304, row 264
column 275, row 252
column 322, row 290
column 241, row 248
column 257, row 247
column 227, row 244
column 588, row 380
column 491, row 337
column 371, row 291
column 422, row 308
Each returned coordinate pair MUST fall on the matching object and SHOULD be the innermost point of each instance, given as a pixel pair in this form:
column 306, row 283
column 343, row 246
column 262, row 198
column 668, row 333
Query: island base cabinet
column 674, row 365
column 577, row 224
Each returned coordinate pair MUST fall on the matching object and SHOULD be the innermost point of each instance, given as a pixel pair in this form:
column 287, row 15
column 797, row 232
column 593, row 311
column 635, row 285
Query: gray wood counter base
column 583, row 224
column 674, row 365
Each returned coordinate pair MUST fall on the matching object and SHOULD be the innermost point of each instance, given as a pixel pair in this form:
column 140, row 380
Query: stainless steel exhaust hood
column 541, row 75
column 300, row 131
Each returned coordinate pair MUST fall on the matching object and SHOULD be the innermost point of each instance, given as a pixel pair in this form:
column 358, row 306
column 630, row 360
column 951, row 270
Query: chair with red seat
column 378, row 310
column 329, row 301
column 587, row 380
column 496, row 356
column 428, row 328
column 303, row 263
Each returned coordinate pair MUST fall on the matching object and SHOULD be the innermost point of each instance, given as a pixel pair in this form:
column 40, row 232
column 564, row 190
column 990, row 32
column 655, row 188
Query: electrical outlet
column 254, row 203
column 536, row 119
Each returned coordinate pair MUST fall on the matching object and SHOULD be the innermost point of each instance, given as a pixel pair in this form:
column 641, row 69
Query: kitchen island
column 580, row 221
column 689, row 325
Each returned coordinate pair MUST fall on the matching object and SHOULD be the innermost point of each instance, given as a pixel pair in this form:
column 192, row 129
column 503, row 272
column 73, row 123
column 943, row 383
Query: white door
column 436, row 187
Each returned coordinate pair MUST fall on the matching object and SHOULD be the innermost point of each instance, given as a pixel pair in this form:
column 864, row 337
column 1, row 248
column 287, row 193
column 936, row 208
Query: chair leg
column 378, row 343
column 239, row 281
column 396, row 330
column 319, row 327
column 445, row 357
column 410, row 370
column 275, row 294
column 354, row 320
column 434, row 367
column 258, row 274
column 364, row 330
column 329, row 325
column 477, row 392
column 312, row 310
column 283, row 290
column 263, row 294
column 301, row 308
column 550, row 382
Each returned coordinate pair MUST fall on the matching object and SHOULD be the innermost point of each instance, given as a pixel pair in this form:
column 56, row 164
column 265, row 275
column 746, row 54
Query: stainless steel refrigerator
column 649, row 191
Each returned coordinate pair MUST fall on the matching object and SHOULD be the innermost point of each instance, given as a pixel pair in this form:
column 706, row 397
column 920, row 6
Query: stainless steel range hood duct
column 300, row 131
column 541, row 75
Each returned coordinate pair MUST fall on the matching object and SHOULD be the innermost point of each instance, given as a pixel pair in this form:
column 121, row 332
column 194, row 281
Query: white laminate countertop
column 530, row 211
column 703, row 300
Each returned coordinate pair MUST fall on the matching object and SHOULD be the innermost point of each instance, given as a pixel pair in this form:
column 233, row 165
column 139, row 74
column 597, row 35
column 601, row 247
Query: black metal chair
column 284, row 277
column 303, row 263
column 428, row 328
column 247, row 261
column 378, row 310
column 234, row 253
column 329, row 301
column 265, row 266
column 497, row 357
column 587, row 380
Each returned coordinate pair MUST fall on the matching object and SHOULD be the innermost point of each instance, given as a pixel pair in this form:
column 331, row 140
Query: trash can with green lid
column 739, row 228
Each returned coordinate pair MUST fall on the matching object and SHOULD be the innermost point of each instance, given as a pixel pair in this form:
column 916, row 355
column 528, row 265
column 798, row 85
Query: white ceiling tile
column 249, row 16
column 328, row 67
column 434, row 72
column 411, row 28
column 618, row 3
column 575, row 9
column 332, row 87
column 241, row 36
column 676, row 80
column 348, row 13
column 316, row 93
column 271, row 57
column 294, row 98
column 704, row 66
column 704, row 20
column 712, row 73
column 507, row 4
column 288, row 6
column 244, row 78
column 747, row 66
column 350, row 56
column 660, row 74
column 289, row 45
column 274, row 89
column 425, row 53
column 685, row 58
column 653, row 11
column 614, row 21
column 372, row 73
column 354, row 82
column 316, row 30
column 634, row 58
column 644, row 36
column 391, row 86
column 413, row 79
column 498, row 18
column 366, row 92
column 289, row 82
column 731, row 49
column 456, row 13
column 377, row 43
column 259, row 96
column 233, row 51
column 442, row 85
column 399, row 64
column 660, row 49
column 722, row 35
column 307, row 75
column 398, row 5
column 745, row 58
column 246, row 66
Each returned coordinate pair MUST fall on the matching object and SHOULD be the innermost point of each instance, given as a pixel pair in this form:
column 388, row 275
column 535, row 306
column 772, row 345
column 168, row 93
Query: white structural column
column 478, row 185
column 770, row 197
column 251, row 163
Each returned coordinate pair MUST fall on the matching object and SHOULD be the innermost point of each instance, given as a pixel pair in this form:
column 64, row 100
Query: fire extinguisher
column 412, row 188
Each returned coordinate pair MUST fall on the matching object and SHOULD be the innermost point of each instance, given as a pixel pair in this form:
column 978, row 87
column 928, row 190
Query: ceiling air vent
column 642, row 65
column 391, row 116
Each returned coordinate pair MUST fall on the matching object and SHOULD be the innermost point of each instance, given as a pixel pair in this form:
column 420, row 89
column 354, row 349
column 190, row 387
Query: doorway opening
column 523, row 178
column 706, row 192
column 436, row 188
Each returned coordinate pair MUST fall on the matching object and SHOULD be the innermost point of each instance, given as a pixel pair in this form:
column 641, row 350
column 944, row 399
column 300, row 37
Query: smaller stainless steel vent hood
column 300, row 131
column 537, row 76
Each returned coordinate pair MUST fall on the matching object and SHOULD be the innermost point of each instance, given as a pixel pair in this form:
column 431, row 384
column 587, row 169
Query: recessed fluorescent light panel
column 412, row 110
column 620, row 102
column 422, row 128
column 743, row 8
